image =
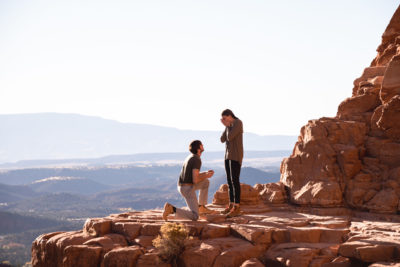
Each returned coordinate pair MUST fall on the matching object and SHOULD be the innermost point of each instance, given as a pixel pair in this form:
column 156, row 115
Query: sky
column 276, row 64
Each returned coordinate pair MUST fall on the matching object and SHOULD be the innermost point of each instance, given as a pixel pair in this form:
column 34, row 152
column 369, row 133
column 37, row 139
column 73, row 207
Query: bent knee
column 195, row 216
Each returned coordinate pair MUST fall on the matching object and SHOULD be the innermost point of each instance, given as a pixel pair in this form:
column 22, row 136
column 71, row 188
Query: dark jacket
column 233, row 137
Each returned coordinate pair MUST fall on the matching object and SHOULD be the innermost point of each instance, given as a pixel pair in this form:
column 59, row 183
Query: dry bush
column 171, row 241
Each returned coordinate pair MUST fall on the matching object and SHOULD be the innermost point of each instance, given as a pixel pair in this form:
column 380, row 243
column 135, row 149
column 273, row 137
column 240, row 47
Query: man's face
column 201, row 148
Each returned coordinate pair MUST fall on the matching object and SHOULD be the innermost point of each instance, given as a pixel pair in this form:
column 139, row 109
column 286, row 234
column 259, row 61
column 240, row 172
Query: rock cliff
column 336, row 203
column 268, row 233
column 353, row 159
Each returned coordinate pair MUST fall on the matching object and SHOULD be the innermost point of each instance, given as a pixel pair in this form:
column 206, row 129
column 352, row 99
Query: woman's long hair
column 228, row 112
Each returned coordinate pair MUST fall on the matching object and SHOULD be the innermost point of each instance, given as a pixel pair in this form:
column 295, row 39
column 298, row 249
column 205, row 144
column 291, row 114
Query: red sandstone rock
column 292, row 255
column 369, row 73
column 221, row 251
column 97, row 226
column 82, row 256
column 107, row 242
column 314, row 238
column 55, row 245
column 344, row 161
column 359, row 104
column 254, row 233
column 248, row 195
column 151, row 229
column 304, row 235
column 338, row 262
column 130, row 230
column 202, row 255
column 126, row 256
column 319, row 194
column 391, row 81
column 273, row 193
column 368, row 252
column 151, row 260
column 252, row 263
column 215, row 231
column 389, row 121
column 145, row 241
column 385, row 201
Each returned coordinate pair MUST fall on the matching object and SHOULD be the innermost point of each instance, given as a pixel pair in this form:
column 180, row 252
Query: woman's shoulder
column 238, row 122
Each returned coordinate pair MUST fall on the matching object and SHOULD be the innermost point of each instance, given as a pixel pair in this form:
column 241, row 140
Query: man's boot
column 168, row 209
column 204, row 210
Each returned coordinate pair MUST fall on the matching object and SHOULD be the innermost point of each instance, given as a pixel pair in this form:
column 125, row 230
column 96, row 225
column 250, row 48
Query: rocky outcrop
column 276, row 235
column 353, row 160
column 249, row 195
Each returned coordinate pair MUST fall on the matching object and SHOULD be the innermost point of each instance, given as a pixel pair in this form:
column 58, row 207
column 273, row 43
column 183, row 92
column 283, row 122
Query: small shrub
column 171, row 242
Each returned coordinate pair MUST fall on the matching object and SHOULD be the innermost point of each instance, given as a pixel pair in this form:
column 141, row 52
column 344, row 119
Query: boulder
column 292, row 255
column 255, row 234
column 326, row 194
column 391, row 80
column 81, row 255
column 248, row 195
column 126, row 256
column 385, row 201
column 56, row 245
column 272, row 193
column 368, row 73
column 97, row 226
column 358, row 104
column 389, row 119
column 226, row 251
column 130, row 230
column 215, row 231
column 107, row 242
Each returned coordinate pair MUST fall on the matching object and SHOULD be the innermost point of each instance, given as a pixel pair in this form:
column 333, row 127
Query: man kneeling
column 190, row 180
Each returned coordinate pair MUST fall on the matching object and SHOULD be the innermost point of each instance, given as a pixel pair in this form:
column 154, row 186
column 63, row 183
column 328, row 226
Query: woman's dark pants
column 232, row 169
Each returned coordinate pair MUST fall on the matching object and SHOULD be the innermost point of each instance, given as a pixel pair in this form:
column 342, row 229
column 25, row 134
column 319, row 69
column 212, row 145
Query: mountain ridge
column 58, row 136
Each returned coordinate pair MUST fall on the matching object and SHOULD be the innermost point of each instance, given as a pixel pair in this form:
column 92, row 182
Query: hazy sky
column 276, row 64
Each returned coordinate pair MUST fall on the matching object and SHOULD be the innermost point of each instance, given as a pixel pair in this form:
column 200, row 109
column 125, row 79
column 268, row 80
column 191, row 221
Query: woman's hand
column 224, row 122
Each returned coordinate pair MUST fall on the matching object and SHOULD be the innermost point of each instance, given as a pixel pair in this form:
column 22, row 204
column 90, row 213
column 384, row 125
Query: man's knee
column 206, row 183
column 195, row 216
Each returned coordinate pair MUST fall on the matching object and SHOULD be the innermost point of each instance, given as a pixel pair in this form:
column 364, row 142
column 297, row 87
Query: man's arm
column 236, row 129
column 201, row 176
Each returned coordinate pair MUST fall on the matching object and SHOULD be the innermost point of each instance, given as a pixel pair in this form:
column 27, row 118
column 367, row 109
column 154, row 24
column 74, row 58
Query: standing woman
column 233, row 138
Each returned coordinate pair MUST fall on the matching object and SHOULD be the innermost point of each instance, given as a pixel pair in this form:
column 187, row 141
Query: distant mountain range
column 66, row 136
column 87, row 192
column 257, row 159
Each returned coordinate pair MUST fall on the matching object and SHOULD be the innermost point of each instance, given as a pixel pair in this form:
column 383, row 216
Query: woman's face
column 228, row 119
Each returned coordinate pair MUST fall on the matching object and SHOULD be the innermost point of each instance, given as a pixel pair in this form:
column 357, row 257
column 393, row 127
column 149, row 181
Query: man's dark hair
column 228, row 112
column 194, row 146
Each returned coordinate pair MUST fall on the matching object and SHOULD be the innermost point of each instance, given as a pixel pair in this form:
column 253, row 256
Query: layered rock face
column 273, row 235
column 267, row 233
column 353, row 160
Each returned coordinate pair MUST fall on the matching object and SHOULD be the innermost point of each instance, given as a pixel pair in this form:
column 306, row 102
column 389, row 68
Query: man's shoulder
column 194, row 160
column 193, row 157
